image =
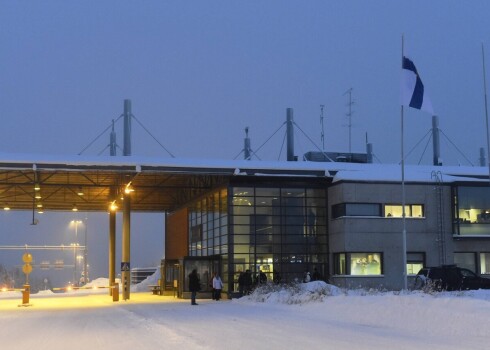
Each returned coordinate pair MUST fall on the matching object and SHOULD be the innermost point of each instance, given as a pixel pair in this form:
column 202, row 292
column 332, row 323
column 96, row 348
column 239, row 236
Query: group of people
column 245, row 283
column 195, row 286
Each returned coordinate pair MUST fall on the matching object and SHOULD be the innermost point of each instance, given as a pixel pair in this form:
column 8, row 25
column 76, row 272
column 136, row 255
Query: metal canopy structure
column 92, row 184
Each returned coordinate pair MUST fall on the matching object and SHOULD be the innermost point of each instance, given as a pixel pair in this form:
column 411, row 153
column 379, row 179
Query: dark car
column 450, row 277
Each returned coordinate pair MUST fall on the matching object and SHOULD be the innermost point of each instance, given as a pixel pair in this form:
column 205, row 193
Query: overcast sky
column 199, row 72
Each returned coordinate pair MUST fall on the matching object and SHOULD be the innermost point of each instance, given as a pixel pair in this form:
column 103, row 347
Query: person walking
column 194, row 285
column 217, row 287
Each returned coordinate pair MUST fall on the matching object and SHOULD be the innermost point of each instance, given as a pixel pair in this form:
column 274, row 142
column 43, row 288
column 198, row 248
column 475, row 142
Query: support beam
column 290, row 135
column 126, row 249
column 112, row 249
column 127, row 128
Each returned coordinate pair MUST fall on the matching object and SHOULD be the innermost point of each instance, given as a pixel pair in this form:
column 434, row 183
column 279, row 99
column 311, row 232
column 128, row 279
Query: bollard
column 115, row 292
column 25, row 294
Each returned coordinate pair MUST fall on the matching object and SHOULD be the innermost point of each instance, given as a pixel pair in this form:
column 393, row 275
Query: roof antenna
column 247, row 149
column 321, row 123
column 349, row 115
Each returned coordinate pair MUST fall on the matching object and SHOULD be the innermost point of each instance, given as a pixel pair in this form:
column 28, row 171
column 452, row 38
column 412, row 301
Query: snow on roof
column 339, row 171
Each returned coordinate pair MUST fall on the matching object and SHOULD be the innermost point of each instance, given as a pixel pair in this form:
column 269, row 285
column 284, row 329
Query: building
column 280, row 218
column 139, row 274
column 348, row 225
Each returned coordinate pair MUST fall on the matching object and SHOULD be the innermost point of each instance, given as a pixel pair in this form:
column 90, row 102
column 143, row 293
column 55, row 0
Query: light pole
column 75, row 280
column 85, row 257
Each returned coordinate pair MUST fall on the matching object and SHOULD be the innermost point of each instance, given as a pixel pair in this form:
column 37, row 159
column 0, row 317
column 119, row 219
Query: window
column 196, row 233
column 471, row 210
column 358, row 264
column 415, row 262
column 411, row 210
column 207, row 219
column 485, row 263
column 466, row 260
column 356, row 209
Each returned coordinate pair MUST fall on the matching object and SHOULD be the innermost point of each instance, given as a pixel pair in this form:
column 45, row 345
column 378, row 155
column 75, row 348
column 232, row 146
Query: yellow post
column 112, row 249
column 25, row 294
column 125, row 256
column 115, row 292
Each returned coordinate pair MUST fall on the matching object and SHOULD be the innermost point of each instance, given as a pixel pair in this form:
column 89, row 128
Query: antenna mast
column 349, row 115
column 321, row 123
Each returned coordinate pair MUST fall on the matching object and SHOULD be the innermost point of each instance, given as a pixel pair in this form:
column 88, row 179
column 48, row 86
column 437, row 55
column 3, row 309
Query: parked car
column 450, row 277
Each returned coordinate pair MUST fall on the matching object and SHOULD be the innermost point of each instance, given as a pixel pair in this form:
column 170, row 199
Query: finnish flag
column 413, row 92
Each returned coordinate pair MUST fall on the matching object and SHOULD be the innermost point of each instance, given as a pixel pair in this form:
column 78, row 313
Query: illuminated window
column 415, row 262
column 358, row 264
column 411, row 211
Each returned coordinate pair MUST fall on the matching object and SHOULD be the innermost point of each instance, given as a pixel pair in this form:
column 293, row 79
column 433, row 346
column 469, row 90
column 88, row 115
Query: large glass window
column 279, row 231
column 358, row 264
column 471, row 210
column 207, row 223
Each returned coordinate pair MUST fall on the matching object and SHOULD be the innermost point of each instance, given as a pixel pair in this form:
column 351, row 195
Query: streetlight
column 76, row 223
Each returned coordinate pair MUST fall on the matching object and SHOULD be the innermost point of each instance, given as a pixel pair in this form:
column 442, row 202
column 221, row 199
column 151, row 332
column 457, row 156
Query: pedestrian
column 247, row 282
column 262, row 277
column 316, row 275
column 217, row 287
column 194, row 285
column 241, row 283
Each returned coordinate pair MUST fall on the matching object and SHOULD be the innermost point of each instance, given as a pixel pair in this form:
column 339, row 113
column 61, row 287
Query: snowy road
column 154, row 322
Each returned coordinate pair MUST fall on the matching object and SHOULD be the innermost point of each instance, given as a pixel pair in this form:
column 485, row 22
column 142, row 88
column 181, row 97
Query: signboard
column 59, row 264
column 44, row 265
column 125, row 266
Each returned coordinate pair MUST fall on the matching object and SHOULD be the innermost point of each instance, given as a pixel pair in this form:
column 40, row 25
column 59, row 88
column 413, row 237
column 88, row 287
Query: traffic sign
column 27, row 258
column 27, row 268
column 125, row 266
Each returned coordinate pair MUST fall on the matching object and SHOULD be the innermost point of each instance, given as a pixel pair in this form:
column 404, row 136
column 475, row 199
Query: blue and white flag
column 413, row 92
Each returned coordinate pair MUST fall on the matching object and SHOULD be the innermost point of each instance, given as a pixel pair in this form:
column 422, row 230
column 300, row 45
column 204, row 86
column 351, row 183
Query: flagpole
column 404, row 231
column 486, row 108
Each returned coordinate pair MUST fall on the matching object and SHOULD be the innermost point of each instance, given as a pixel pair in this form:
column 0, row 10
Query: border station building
column 282, row 218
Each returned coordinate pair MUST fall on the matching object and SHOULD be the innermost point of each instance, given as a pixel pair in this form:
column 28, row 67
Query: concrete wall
column 380, row 234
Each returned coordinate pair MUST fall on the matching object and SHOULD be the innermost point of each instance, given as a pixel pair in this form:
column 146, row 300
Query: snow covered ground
column 309, row 316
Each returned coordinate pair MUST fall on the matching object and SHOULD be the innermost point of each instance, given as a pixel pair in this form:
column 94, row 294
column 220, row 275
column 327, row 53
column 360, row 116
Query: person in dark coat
column 194, row 285
column 241, row 283
column 316, row 275
column 262, row 277
column 247, row 282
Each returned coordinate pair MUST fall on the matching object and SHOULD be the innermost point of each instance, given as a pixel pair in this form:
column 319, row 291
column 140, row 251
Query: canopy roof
column 92, row 183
